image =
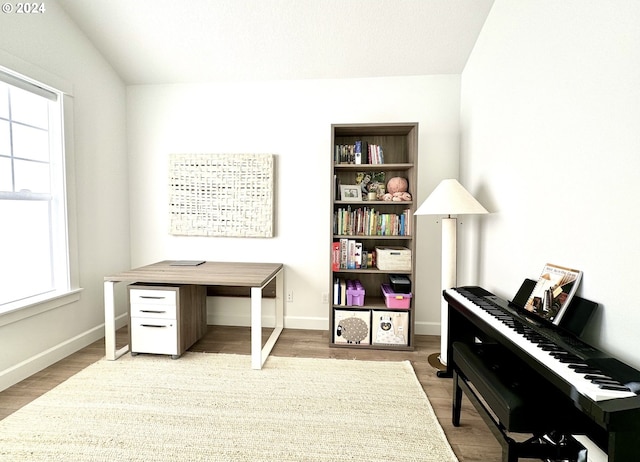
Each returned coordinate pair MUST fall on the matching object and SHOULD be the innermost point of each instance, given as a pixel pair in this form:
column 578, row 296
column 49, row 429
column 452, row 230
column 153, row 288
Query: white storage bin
column 393, row 258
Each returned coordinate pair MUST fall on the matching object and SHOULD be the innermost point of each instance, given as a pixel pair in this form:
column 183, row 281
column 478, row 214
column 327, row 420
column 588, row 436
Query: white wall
column 551, row 145
column 98, row 180
column 291, row 119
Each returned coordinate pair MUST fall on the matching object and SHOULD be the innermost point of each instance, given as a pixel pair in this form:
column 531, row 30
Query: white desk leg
column 258, row 354
column 110, row 323
column 280, row 299
column 256, row 328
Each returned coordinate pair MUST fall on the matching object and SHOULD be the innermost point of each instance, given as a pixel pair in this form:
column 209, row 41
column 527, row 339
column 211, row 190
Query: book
column 335, row 256
column 186, row 263
column 351, row 254
column 553, row 292
column 344, row 253
column 358, row 255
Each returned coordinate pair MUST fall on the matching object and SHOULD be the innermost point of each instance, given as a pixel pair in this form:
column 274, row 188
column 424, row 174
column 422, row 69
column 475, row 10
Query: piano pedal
column 555, row 438
column 565, row 444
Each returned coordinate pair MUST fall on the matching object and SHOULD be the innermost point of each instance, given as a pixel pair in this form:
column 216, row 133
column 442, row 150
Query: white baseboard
column 290, row 322
column 36, row 363
column 230, row 311
column 427, row 328
column 235, row 311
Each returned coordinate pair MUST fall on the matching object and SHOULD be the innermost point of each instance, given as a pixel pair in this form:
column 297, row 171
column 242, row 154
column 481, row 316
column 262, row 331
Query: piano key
column 585, row 370
column 606, row 382
column 614, row 387
column 566, row 359
column 596, row 376
column 558, row 366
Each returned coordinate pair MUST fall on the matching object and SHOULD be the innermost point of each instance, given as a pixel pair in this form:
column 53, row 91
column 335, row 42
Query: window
column 34, row 261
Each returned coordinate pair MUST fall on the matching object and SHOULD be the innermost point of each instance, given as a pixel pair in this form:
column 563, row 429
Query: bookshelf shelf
column 365, row 237
column 371, row 271
column 399, row 143
column 382, row 167
column 373, row 203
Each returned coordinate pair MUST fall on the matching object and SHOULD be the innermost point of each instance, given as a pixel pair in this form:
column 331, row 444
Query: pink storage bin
column 355, row 293
column 393, row 300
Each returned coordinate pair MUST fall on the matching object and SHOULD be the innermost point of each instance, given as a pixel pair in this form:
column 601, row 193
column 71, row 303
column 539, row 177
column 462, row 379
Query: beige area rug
column 214, row 407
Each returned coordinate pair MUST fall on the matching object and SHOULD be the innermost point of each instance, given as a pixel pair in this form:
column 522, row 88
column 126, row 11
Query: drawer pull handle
column 153, row 311
column 150, row 325
column 153, row 297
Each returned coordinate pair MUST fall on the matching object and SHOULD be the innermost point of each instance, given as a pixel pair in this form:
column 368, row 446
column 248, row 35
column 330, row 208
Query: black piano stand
column 511, row 409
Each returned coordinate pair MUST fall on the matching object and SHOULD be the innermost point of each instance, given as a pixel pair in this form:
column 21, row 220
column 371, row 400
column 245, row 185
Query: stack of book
column 360, row 152
column 366, row 221
column 350, row 254
column 345, row 154
column 347, row 292
column 375, row 154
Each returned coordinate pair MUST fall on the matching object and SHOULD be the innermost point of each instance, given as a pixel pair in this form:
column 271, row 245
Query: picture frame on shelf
column 350, row 193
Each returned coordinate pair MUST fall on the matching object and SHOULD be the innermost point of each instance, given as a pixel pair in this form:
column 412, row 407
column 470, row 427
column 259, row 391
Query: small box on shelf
column 394, row 300
column 400, row 284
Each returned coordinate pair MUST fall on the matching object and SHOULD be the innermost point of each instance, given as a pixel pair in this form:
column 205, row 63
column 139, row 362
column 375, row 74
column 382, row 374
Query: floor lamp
column 449, row 198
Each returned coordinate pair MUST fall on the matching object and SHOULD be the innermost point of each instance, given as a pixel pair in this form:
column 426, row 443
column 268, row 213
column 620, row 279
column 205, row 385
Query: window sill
column 17, row 311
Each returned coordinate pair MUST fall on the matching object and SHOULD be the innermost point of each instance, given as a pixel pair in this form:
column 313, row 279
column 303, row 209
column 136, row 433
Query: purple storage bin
column 355, row 293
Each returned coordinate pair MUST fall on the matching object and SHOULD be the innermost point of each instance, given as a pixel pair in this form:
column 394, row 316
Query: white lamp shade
column 450, row 198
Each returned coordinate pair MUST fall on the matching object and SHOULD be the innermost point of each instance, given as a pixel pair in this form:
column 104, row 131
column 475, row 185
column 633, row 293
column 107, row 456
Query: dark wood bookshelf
column 400, row 147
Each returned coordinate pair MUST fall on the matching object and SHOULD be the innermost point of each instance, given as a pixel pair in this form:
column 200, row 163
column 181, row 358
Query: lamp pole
column 448, row 198
column 448, row 279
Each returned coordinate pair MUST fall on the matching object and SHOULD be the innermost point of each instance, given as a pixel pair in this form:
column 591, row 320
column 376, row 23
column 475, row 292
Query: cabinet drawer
column 146, row 310
column 151, row 335
column 153, row 296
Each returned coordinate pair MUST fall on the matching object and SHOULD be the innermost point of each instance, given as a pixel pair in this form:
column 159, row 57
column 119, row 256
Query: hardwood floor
column 472, row 441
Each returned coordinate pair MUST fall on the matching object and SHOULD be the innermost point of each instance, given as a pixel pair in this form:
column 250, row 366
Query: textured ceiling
column 162, row 41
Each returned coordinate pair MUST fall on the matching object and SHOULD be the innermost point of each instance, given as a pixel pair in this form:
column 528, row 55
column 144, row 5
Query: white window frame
column 14, row 71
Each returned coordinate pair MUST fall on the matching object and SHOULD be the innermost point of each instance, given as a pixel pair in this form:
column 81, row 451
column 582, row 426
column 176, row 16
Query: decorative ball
column 397, row 184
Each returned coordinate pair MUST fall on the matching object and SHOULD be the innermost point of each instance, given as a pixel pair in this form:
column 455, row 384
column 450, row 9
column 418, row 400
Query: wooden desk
column 253, row 275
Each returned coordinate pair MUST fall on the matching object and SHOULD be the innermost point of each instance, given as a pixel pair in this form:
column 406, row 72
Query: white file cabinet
column 166, row 319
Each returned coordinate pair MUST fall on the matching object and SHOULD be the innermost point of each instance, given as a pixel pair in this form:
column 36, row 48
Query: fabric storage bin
column 394, row 300
column 352, row 327
column 393, row 258
column 390, row 327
